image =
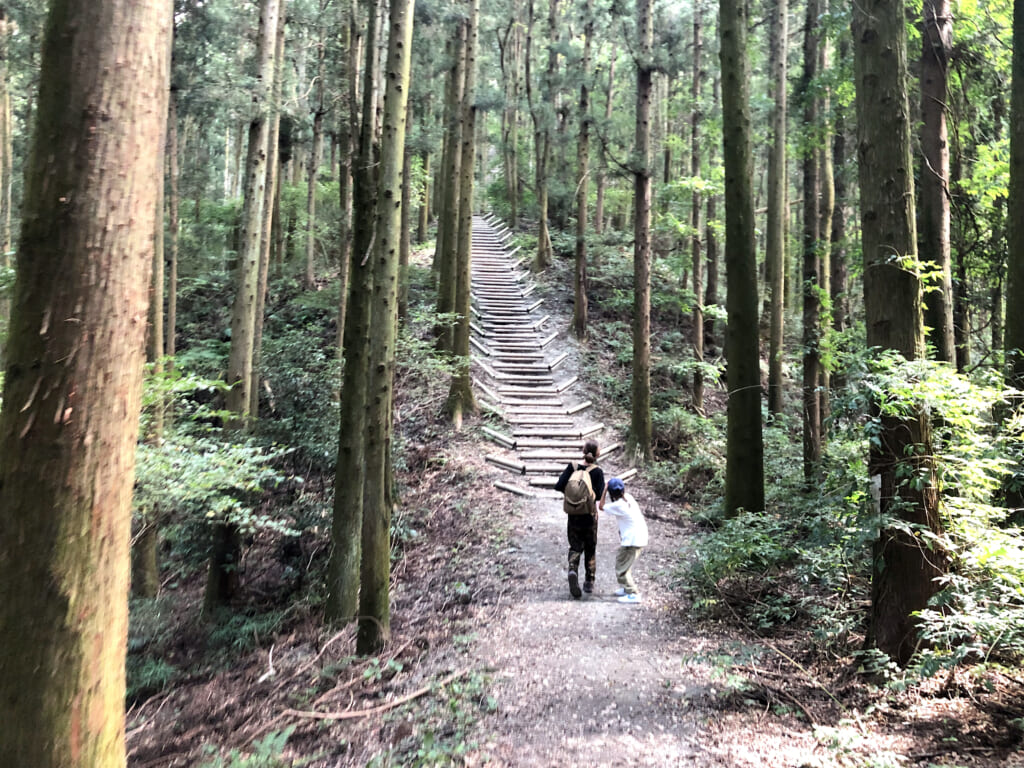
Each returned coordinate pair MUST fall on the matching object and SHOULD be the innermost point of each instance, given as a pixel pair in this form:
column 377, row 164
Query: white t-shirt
column 632, row 526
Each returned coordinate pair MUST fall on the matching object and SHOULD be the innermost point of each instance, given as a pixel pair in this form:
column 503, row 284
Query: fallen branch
column 353, row 714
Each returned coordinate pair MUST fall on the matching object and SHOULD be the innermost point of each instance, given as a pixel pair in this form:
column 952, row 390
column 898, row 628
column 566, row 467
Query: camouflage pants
column 583, row 544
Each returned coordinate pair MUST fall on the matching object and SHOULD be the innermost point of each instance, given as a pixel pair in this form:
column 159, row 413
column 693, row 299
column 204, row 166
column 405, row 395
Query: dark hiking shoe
column 574, row 585
column 588, row 586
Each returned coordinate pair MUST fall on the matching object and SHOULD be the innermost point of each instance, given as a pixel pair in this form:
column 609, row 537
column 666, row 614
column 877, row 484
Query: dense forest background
column 794, row 226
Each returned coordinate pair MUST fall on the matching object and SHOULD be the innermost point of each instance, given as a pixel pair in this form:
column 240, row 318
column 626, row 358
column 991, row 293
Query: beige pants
column 624, row 560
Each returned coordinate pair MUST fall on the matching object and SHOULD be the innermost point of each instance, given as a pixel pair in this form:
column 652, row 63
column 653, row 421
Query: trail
column 587, row 682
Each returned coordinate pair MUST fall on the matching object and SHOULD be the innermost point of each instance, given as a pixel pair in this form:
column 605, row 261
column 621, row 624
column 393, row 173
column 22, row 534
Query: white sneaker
column 631, row 598
column 619, row 592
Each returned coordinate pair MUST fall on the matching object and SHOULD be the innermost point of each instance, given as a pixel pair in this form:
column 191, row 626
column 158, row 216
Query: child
column 632, row 536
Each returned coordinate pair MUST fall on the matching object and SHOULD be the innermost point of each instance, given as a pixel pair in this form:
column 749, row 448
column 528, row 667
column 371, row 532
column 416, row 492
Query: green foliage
column 808, row 558
column 206, row 478
column 149, row 631
column 238, row 633
column 683, row 471
column 265, row 753
column 443, row 726
column 302, row 375
column 7, row 274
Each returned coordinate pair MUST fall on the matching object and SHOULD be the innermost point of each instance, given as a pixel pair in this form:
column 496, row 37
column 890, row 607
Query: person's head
column 590, row 451
column 616, row 488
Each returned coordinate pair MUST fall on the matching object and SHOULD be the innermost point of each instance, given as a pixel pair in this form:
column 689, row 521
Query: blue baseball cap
column 616, row 485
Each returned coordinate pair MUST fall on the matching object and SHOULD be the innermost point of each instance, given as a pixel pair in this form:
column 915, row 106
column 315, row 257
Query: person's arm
column 597, row 481
column 614, row 508
column 563, row 479
column 604, row 496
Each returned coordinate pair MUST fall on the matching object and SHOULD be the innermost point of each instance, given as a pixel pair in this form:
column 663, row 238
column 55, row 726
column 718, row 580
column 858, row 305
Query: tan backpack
column 579, row 496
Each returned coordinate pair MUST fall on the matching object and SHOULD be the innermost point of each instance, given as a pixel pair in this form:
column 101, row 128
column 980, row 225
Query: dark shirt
column 596, row 479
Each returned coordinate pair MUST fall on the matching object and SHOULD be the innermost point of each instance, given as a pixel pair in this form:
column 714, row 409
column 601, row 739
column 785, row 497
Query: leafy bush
column 266, row 753
column 809, row 556
column 206, row 478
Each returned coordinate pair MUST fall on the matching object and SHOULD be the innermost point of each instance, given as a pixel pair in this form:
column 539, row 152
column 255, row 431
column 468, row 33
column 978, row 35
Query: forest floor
column 493, row 663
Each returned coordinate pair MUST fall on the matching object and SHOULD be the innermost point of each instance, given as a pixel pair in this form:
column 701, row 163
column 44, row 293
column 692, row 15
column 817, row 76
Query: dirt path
column 595, row 682
column 592, row 681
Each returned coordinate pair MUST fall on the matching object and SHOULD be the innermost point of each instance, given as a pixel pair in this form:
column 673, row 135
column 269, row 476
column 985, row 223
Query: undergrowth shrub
column 690, row 453
column 808, row 558
column 300, row 375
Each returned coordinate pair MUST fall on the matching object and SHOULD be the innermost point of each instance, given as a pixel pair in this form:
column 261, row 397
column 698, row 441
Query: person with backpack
column 582, row 485
column 632, row 537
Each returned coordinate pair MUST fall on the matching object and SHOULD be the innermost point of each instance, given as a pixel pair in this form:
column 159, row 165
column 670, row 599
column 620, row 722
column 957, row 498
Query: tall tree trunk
column 223, row 577
column 1013, row 333
column 145, row 573
column 840, row 274
column 405, row 226
column 696, row 253
column 582, row 187
column 448, row 220
column 933, row 202
column 173, row 226
column 744, row 470
column 775, row 226
column 711, row 238
column 961, row 292
column 73, row 382
column 511, row 67
column 541, row 109
column 811, row 247
column 5, row 176
column 270, row 211
column 826, row 208
column 343, row 568
column 906, row 571
column 461, row 400
column 423, row 217
column 599, row 217
column 375, row 571
column 309, row 279
column 348, row 131
column 640, row 440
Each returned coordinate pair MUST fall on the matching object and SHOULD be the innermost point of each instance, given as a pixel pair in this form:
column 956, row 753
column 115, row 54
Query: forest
column 267, row 495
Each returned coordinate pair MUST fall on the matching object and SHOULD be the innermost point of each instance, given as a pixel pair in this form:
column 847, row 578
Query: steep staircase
column 518, row 373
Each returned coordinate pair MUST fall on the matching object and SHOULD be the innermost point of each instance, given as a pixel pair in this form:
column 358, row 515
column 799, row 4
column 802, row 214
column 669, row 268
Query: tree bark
column 348, row 132
column 270, row 212
column 73, row 382
column 448, row 220
column 423, row 218
column 775, row 225
column 826, row 208
column 375, row 572
column 840, row 275
column 582, row 187
column 933, row 203
column 6, row 147
column 640, row 440
column 461, row 400
column 696, row 253
column 173, row 226
column 343, row 568
column 906, row 569
column 309, row 279
column 145, row 574
column 511, row 67
column 711, row 238
column 744, row 471
column 599, row 217
column 223, row 577
column 811, row 246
